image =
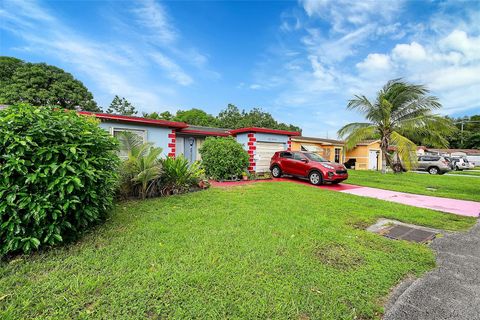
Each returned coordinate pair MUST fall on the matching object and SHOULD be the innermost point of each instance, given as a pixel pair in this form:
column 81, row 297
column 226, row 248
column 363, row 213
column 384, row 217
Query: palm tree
column 142, row 166
column 401, row 113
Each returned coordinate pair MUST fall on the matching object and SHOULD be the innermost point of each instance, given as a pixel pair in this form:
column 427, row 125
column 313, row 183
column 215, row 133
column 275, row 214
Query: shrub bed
column 57, row 176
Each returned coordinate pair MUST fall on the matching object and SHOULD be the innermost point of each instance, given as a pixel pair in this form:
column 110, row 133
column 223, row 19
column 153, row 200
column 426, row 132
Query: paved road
column 451, row 291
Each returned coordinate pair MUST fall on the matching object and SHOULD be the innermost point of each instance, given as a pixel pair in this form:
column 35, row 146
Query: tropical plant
column 223, row 158
column 401, row 112
column 58, row 175
column 179, row 176
column 141, row 168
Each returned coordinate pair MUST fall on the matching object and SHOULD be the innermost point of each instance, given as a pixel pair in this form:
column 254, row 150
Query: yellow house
column 329, row 149
column 366, row 155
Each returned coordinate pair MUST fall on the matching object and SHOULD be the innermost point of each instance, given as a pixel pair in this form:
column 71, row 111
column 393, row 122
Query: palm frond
column 405, row 148
column 357, row 132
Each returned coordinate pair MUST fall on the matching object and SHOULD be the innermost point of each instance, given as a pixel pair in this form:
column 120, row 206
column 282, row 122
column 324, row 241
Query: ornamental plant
column 57, row 176
column 223, row 158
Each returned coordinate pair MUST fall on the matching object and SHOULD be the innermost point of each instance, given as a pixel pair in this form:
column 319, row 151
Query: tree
column 230, row 117
column 166, row 115
column 401, row 112
column 40, row 84
column 196, row 117
column 121, row 106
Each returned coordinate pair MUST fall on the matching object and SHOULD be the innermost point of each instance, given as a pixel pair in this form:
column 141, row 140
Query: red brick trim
column 289, row 144
column 171, row 145
column 251, row 151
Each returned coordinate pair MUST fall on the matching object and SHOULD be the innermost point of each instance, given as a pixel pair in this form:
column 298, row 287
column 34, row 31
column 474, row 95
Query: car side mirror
column 304, row 160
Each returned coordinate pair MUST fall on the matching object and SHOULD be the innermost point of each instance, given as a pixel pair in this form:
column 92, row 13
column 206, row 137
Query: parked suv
column 433, row 164
column 307, row 165
column 462, row 164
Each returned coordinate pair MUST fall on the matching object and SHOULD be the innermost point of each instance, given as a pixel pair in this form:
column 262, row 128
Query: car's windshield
column 314, row 157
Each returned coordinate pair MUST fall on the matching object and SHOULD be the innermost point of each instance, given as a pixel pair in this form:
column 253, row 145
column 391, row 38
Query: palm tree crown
column 401, row 112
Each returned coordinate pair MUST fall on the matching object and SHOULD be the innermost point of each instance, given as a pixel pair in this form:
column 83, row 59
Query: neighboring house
column 367, row 155
column 329, row 149
column 178, row 138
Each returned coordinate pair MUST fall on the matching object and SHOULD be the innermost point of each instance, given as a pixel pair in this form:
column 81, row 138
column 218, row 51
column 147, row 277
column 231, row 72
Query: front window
column 128, row 138
column 315, row 157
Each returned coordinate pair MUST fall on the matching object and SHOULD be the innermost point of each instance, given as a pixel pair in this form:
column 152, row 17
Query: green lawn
column 467, row 172
column 465, row 188
column 269, row 250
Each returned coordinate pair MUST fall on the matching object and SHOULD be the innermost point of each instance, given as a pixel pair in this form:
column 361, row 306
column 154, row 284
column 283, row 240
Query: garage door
column 265, row 151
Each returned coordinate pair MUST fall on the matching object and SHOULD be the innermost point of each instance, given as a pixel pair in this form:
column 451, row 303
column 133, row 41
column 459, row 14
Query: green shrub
column 57, row 176
column 179, row 176
column 223, row 158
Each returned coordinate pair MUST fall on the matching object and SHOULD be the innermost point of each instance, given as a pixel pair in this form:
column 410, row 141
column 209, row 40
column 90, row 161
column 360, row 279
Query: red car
column 307, row 165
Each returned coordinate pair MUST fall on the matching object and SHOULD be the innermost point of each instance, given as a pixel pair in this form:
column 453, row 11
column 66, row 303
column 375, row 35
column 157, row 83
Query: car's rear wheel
column 315, row 178
column 433, row 170
column 276, row 172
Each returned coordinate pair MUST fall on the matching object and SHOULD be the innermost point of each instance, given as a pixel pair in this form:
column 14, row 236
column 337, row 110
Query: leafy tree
column 231, row 117
column 401, row 112
column 40, row 84
column 473, row 141
column 166, row 115
column 121, row 106
column 465, row 138
column 196, row 117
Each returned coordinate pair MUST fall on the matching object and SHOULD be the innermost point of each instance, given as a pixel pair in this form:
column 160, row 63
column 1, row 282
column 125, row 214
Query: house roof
column 467, row 151
column 205, row 131
column 367, row 142
column 318, row 140
column 152, row 122
column 265, row 130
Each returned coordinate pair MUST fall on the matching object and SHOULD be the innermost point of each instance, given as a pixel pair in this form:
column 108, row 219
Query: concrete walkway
column 459, row 207
column 451, row 291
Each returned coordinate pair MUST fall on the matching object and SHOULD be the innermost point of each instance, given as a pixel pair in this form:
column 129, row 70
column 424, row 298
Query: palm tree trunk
column 385, row 159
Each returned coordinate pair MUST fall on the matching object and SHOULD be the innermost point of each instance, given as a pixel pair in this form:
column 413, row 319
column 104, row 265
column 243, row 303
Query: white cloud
column 374, row 63
column 409, row 52
column 152, row 15
column 174, row 71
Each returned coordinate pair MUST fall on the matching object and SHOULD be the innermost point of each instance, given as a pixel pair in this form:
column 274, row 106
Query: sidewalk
column 459, row 207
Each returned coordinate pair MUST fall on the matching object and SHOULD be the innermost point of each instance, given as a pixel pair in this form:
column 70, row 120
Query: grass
column 267, row 250
column 467, row 172
column 464, row 188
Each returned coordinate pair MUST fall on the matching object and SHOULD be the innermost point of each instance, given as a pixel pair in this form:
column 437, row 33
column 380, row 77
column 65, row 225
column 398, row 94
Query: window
column 298, row 156
column 286, row 155
column 337, row 155
column 127, row 138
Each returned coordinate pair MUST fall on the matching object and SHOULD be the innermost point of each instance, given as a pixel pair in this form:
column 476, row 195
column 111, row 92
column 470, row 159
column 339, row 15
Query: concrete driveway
column 450, row 291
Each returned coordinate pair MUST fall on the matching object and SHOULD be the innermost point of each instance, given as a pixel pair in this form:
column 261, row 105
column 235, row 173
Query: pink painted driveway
column 459, row 207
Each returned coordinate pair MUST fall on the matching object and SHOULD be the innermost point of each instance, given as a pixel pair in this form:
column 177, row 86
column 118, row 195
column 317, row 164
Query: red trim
column 171, row 154
column 251, row 143
column 252, row 148
column 250, row 152
column 205, row 133
column 265, row 130
column 250, row 135
column 171, row 145
column 161, row 123
column 171, row 135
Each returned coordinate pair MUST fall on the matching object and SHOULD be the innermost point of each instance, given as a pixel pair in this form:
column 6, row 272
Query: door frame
column 377, row 165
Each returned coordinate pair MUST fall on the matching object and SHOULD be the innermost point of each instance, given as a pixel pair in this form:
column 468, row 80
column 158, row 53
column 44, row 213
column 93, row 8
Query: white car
column 462, row 164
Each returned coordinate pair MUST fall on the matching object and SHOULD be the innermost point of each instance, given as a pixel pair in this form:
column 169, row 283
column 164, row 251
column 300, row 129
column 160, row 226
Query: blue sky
column 301, row 61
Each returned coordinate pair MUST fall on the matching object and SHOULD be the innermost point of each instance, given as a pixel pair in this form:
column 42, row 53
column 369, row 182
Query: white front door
column 372, row 160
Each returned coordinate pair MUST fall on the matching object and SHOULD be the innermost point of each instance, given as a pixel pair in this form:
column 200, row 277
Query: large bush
column 179, row 176
column 57, row 176
column 223, row 158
